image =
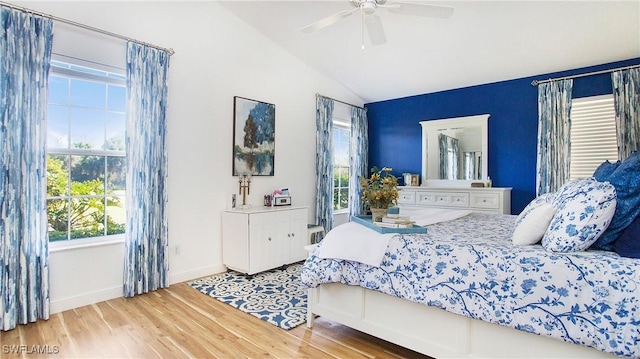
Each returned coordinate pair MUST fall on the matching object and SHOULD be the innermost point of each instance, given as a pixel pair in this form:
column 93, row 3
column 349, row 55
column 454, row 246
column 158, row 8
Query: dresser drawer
column 444, row 199
column 406, row 197
column 485, row 200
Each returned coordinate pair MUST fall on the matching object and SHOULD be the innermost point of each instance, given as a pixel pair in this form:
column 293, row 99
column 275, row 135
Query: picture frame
column 415, row 180
column 253, row 137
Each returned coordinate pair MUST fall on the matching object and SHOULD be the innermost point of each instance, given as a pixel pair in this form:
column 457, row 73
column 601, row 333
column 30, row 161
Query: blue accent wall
column 395, row 133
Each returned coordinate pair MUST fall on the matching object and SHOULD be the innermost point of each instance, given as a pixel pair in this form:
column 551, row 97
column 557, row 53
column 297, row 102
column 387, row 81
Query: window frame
column 80, row 70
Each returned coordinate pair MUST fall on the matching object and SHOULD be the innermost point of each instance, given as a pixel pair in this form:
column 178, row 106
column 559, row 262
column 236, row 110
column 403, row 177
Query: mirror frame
column 431, row 126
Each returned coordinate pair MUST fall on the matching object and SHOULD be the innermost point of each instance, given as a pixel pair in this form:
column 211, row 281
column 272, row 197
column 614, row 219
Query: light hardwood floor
column 180, row 322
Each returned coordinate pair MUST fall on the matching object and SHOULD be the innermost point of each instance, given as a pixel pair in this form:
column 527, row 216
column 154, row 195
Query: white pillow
column 584, row 211
column 532, row 224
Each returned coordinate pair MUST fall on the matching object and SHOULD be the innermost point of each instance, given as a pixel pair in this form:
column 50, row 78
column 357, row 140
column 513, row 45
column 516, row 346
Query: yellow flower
column 380, row 189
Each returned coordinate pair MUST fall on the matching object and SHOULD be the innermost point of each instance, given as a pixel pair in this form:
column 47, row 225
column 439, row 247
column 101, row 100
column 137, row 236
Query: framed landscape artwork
column 253, row 137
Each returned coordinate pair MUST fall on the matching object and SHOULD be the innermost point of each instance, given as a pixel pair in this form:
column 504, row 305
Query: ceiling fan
column 372, row 21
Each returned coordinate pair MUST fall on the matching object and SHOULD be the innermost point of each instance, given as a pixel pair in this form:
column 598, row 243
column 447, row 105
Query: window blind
column 593, row 134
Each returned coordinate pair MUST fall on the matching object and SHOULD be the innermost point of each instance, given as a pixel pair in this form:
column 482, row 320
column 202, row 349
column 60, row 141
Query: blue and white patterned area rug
column 275, row 296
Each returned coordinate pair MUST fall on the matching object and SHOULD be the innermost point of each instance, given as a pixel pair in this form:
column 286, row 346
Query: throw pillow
column 604, row 171
column 532, row 224
column 626, row 180
column 584, row 209
column 628, row 243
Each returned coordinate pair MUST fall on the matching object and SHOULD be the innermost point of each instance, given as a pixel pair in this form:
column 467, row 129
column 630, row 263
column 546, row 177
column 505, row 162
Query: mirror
column 455, row 150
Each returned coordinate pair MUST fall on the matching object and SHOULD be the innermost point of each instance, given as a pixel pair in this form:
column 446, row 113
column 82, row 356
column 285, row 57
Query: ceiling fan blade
column 375, row 30
column 329, row 20
column 417, row 9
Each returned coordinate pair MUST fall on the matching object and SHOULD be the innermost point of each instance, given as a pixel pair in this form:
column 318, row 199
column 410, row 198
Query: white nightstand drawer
column 485, row 200
column 426, row 198
column 446, row 199
column 406, row 197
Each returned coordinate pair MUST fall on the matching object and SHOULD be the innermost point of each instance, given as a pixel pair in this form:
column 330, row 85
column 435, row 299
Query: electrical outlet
column 177, row 250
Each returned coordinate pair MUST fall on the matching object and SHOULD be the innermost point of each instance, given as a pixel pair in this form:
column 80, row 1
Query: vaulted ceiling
column 482, row 42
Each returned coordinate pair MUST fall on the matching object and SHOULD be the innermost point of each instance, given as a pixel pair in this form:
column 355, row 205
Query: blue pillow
column 626, row 180
column 628, row 243
column 605, row 170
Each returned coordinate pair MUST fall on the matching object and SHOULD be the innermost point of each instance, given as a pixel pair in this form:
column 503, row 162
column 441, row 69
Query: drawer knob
column 269, row 238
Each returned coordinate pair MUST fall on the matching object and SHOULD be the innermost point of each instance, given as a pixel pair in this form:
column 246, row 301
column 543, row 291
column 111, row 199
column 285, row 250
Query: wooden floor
column 180, row 322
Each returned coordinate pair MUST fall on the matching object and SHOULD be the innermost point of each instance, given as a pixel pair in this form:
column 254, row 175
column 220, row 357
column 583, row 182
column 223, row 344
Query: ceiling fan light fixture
column 368, row 7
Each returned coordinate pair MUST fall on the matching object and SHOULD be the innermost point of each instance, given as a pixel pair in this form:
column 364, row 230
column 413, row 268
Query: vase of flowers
column 379, row 191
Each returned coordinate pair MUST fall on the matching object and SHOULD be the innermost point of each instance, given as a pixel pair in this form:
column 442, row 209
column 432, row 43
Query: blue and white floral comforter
column 469, row 267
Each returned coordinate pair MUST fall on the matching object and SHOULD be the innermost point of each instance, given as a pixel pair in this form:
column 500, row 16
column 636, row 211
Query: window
column 593, row 134
column 341, row 139
column 86, row 124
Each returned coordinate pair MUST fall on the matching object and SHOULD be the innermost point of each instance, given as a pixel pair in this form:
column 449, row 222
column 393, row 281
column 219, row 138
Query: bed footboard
column 432, row 331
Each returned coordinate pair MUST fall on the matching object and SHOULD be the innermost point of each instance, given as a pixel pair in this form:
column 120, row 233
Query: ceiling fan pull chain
column 362, row 27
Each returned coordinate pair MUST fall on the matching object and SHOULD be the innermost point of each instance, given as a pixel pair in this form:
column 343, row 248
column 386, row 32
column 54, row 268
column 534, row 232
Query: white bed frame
column 432, row 331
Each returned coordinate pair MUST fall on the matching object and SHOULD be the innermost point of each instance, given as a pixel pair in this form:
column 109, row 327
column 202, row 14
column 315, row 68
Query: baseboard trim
column 195, row 273
column 61, row 305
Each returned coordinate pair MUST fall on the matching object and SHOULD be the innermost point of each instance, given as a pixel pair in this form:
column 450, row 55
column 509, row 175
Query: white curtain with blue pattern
column 554, row 124
column 324, row 162
column 146, row 247
column 626, row 95
column 25, row 53
column 358, row 153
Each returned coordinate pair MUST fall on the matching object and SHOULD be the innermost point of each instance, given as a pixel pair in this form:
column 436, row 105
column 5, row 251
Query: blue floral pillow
column 626, row 180
column 584, row 209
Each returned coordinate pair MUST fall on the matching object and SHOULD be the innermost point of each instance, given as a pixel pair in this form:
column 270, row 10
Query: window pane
column 116, row 175
column 336, row 198
column 117, row 98
column 57, row 215
column 57, row 126
column 58, row 90
column 87, row 175
column 116, row 215
column 87, row 217
column 344, row 198
column 87, row 128
column 116, row 125
column 88, row 94
column 57, row 175
column 344, row 177
column 340, row 146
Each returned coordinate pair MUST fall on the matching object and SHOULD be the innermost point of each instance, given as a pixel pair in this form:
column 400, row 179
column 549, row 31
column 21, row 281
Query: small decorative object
column 477, row 184
column 253, row 137
column 379, row 191
column 406, row 177
column 267, row 200
column 244, row 183
column 415, row 180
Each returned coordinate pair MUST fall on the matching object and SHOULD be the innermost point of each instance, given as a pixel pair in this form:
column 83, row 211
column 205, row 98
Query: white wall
column 217, row 57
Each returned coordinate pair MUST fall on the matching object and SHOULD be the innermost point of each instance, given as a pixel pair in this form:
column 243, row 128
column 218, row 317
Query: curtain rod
column 86, row 27
column 346, row 103
column 538, row 82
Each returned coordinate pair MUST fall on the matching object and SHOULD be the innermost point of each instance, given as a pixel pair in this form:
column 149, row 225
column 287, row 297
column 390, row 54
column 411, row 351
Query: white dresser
column 488, row 199
column 263, row 238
